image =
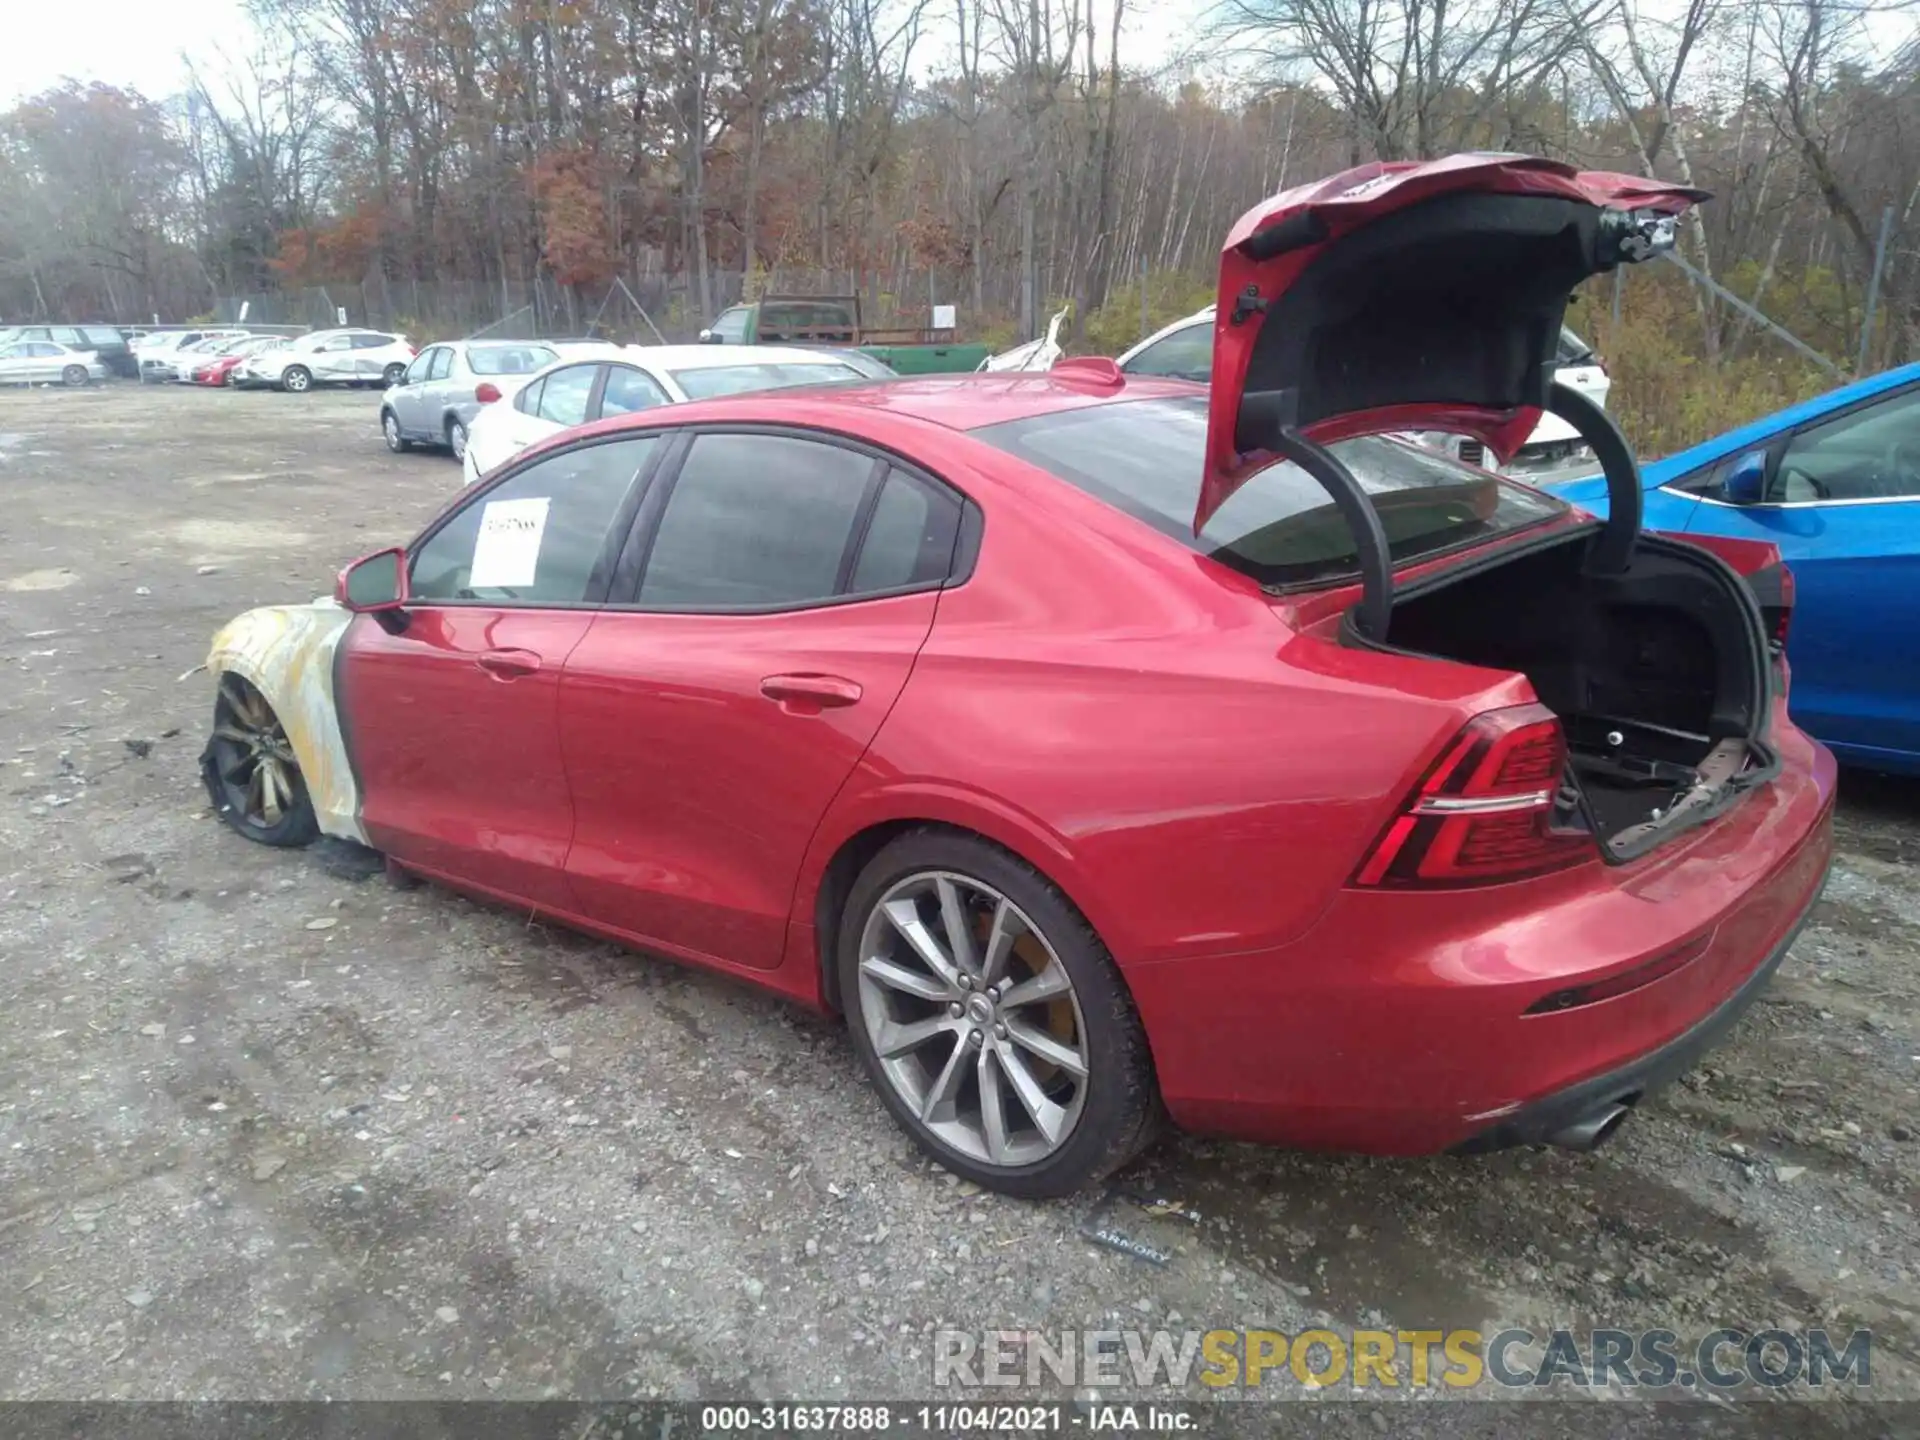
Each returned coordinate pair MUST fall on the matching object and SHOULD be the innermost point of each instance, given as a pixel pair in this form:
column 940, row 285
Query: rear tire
column 393, row 374
column 296, row 380
column 390, row 428
column 1031, row 1010
column 456, row 438
column 74, row 376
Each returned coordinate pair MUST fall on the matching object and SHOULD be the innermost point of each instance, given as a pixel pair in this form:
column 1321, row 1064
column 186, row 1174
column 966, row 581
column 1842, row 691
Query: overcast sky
column 139, row 43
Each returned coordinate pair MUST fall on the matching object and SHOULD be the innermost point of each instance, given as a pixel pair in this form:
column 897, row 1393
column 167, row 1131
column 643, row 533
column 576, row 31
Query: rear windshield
column 509, row 359
column 1145, row 457
column 710, row 381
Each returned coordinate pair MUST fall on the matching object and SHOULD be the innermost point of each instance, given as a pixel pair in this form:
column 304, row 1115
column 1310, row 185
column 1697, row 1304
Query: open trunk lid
column 1430, row 296
column 1418, row 296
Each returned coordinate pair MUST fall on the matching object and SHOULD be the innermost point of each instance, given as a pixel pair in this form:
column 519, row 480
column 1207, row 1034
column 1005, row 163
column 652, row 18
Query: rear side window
column 371, row 342
column 1146, row 457
column 756, row 522
column 101, row 335
column 527, row 402
column 628, row 390
column 909, row 539
column 715, row 380
column 1184, row 355
column 564, row 400
column 509, row 359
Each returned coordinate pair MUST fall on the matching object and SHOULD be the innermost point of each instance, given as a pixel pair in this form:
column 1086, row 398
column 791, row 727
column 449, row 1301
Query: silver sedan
column 446, row 385
column 37, row 362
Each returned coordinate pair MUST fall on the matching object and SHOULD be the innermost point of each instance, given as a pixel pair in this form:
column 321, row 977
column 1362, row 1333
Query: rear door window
column 756, row 522
column 628, row 390
column 1146, row 457
column 527, row 402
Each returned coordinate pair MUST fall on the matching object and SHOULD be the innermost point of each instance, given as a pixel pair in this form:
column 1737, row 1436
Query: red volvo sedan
column 1104, row 750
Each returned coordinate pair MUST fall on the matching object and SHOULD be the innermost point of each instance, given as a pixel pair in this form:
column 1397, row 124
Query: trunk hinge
column 1614, row 552
column 1375, row 563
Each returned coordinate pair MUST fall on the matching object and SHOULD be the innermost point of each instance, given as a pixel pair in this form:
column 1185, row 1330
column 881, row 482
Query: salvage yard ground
column 270, row 1131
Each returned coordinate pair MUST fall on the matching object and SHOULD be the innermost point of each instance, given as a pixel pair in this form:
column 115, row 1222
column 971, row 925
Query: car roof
column 714, row 357
column 953, row 402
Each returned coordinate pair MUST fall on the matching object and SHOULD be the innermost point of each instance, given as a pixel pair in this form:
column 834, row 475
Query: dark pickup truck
column 834, row 320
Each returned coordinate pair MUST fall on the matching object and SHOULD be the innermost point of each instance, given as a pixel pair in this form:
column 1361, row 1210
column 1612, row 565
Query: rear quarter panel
column 1142, row 726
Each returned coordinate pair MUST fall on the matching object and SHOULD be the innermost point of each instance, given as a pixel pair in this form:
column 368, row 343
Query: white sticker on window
column 507, row 551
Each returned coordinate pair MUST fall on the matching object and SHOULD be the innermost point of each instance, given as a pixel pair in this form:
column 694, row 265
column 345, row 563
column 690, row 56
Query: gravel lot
column 268, row 1131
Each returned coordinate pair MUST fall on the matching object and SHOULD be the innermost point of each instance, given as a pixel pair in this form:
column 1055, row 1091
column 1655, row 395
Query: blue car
column 1834, row 482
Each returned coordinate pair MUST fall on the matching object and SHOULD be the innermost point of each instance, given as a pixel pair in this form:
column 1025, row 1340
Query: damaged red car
column 1106, row 751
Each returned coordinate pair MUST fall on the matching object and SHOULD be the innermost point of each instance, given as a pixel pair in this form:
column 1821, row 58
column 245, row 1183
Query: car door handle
column 808, row 693
column 508, row 664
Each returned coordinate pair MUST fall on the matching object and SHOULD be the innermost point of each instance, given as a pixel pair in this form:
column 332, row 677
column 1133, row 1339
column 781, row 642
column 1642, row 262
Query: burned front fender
column 286, row 653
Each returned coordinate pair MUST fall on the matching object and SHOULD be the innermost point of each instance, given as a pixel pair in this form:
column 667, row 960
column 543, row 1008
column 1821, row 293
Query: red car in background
column 217, row 370
column 1103, row 750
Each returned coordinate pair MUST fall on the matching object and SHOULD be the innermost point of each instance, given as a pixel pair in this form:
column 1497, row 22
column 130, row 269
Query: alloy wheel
column 457, row 440
column 973, row 1018
column 297, row 380
column 252, row 756
column 390, row 427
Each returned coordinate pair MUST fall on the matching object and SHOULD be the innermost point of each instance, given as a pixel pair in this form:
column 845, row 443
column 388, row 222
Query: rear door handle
column 807, row 693
column 508, row 664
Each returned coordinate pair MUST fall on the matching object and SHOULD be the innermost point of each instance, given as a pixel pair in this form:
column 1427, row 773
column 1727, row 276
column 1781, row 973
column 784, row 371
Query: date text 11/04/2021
column 947, row 1419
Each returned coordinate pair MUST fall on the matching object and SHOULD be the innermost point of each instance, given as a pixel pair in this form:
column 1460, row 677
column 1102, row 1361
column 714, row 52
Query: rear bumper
column 1398, row 1023
column 1537, row 1122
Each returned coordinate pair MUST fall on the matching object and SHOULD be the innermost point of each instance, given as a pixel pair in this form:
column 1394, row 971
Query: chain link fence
column 644, row 308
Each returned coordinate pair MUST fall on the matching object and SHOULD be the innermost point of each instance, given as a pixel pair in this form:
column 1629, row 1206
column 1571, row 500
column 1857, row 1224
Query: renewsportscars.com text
column 1723, row 1359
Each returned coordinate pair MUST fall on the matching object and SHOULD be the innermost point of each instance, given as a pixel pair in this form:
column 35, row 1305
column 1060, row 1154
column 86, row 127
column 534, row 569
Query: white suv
column 330, row 357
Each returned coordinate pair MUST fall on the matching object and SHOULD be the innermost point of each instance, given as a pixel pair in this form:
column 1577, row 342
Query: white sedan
column 31, row 362
column 583, row 388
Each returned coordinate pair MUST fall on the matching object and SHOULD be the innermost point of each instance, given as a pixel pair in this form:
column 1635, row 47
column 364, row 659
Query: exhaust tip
column 1591, row 1130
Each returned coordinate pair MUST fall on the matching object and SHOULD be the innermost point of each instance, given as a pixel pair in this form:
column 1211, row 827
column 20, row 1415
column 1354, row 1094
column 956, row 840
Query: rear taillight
column 486, row 392
column 1484, row 813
